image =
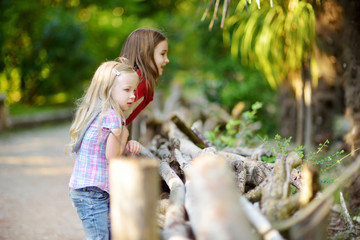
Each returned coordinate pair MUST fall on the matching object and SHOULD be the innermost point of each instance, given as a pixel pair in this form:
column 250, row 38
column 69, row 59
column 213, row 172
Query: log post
column 134, row 192
column 185, row 165
column 174, row 220
column 260, row 222
column 216, row 212
column 202, row 137
column 188, row 131
column 275, row 200
column 174, row 225
column 325, row 198
column 189, row 148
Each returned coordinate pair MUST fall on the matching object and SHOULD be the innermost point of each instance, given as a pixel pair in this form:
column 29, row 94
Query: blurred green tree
column 278, row 40
column 42, row 52
column 200, row 59
column 51, row 48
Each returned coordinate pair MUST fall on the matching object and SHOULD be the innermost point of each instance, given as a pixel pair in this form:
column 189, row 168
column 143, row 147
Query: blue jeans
column 92, row 205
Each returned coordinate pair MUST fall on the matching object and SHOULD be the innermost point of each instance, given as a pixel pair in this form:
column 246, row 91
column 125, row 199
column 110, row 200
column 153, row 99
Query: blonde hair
column 97, row 98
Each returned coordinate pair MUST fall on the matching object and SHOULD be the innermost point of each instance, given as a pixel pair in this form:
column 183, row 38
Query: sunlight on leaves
column 276, row 40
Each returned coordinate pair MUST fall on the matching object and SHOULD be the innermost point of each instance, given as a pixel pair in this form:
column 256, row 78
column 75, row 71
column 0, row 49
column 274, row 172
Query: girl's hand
column 133, row 146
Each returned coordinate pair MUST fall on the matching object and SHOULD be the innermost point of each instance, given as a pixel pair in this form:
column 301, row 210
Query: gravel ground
column 34, row 176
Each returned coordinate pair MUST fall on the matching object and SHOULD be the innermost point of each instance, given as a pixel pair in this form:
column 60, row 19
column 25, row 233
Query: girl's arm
column 116, row 142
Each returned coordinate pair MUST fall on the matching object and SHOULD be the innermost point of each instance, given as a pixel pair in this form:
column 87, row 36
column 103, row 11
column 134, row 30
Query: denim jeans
column 92, row 205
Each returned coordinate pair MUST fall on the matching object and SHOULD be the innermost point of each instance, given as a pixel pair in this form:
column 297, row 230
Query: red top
column 141, row 91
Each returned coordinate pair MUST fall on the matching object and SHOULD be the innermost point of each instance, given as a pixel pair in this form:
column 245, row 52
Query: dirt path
column 34, row 175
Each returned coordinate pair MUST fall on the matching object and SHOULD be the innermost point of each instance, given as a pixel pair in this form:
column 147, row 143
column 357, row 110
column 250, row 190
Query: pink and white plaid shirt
column 91, row 167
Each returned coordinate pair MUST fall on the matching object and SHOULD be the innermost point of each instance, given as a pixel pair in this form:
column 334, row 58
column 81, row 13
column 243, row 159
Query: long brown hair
column 139, row 50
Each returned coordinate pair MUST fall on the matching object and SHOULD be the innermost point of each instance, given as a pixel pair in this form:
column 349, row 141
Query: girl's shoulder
column 110, row 112
column 111, row 119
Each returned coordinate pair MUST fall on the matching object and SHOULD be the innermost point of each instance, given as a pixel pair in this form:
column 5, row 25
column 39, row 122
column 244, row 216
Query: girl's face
column 124, row 89
column 160, row 55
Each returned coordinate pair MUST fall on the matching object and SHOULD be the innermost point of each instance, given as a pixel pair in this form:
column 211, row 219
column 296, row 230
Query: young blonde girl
column 98, row 134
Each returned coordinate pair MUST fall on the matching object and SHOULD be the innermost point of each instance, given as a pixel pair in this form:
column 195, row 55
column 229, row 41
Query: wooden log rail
column 216, row 212
column 174, row 226
column 226, row 194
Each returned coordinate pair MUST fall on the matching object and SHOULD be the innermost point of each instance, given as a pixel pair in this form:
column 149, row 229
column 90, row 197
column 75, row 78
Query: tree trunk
column 351, row 80
column 287, row 116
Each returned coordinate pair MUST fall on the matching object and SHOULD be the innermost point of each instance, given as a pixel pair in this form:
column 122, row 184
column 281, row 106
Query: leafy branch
column 237, row 132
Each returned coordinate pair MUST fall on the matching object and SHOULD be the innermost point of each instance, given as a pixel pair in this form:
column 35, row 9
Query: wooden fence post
column 134, row 191
column 216, row 212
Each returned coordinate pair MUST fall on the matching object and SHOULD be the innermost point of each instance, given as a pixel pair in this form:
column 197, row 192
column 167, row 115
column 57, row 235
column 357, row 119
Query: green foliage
column 43, row 53
column 50, row 50
column 327, row 162
column 324, row 161
column 199, row 59
column 237, row 132
column 279, row 146
column 276, row 40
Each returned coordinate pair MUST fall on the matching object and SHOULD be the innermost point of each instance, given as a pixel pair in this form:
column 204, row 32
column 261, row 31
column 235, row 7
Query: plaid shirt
column 91, row 166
